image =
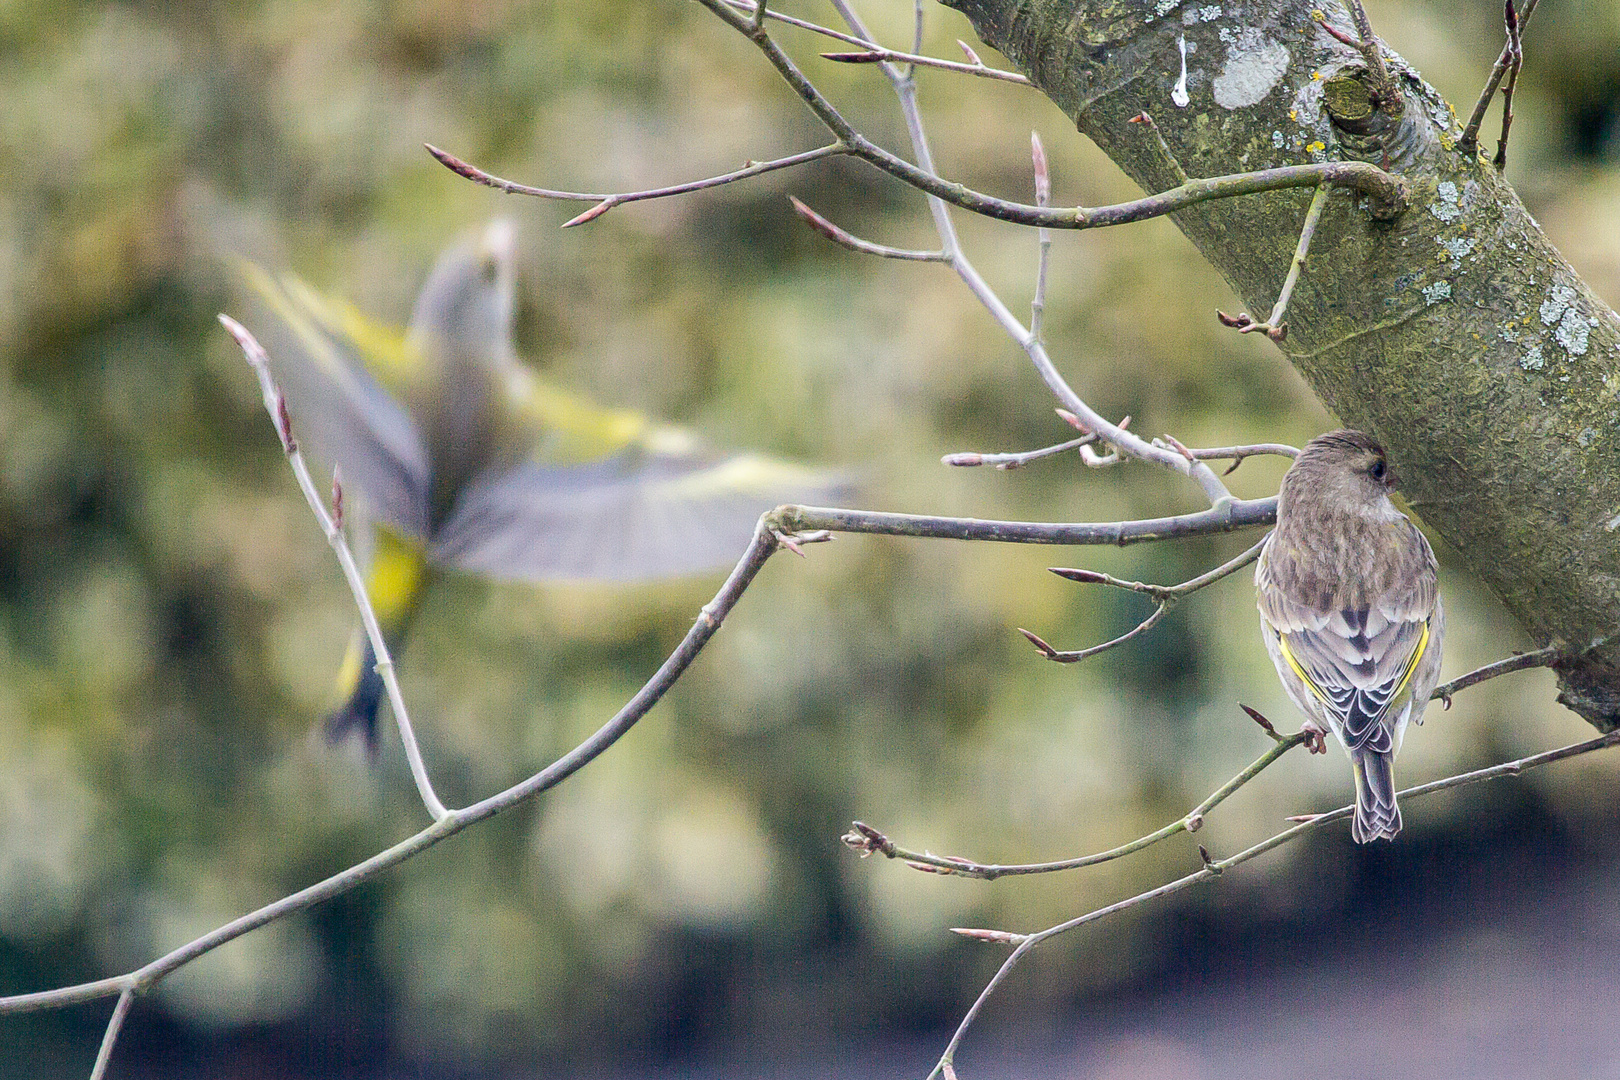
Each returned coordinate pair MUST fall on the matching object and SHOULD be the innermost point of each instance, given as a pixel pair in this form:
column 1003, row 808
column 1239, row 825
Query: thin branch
column 115, row 1024
column 1388, row 190
column 747, row 7
column 1237, row 514
column 1043, row 197
column 1166, row 597
column 1008, row 462
column 276, row 405
column 765, row 543
column 1515, row 62
column 1468, row 143
column 608, row 200
column 866, row 840
column 1274, row 327
column 1214, row 868
column 1074, row 656
column 844, row 238
column 1238, row 454
column 877, row 53
column 871, row 52
column 1164, row 594
column 1539, row 658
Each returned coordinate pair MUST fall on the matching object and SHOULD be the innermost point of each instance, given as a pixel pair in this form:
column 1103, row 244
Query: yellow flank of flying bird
column 463, row 458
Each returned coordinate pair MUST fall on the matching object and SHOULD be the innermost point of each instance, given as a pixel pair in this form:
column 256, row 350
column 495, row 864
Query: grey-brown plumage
column 1350, row 611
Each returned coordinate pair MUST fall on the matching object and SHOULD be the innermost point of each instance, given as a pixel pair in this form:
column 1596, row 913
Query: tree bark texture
column 1455, row 333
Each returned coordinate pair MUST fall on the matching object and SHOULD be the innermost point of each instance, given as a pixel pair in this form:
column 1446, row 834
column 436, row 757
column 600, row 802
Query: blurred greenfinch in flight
column 463, row 459
column 1349, row 596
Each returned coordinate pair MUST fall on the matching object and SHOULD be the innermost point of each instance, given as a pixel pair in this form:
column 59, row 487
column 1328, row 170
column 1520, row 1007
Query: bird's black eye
column 1378, row 469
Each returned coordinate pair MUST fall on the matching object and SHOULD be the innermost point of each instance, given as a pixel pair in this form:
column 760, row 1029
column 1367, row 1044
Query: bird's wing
column 318, row 352
column 1357, row 660
column 1358, row 674
column 636, row 516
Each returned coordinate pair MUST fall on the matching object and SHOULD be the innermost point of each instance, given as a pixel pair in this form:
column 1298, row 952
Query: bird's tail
column 358, row 714
column 1377, row 816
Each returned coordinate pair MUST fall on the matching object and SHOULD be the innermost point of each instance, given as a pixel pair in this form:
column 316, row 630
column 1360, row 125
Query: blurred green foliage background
column 171, row 619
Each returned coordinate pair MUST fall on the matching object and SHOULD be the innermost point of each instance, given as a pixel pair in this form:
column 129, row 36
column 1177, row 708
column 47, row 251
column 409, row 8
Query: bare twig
column 877, row 54
column 1214, row 868
column 1164, row 593
column 867, row 840
column 1074, row 656
column 1386, row 189
column 109, row 1039
column 1539, row 658
column 1238, row 454
column 849, row 240
column 747, row 7
column 1043, row 197
column 1468, row 143
column 703, row 628
column 1166, row 597
column 1008, row 462
column 1238, row 514
column 1515, row 61
column 607, row 201
column 870, row 52
column 1274, row 327
column 332, row 526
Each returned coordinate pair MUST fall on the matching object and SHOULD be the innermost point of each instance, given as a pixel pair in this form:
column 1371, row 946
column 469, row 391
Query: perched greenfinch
column 463, row 459
column 1350, row 610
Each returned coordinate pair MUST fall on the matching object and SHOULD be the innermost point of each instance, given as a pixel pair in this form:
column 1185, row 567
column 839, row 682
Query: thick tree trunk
column 1455, row 333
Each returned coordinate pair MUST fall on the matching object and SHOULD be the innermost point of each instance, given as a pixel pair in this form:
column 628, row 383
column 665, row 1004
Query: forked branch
column 1512, row 54
column 865, row 840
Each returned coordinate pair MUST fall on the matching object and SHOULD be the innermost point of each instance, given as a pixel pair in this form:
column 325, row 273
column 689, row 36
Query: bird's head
column 467, row 302
column 1344, row 468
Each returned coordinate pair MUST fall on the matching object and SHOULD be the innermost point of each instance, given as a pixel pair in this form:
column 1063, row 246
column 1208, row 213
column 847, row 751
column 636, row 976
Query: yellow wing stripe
column 394, row 585
column 1400, row 687
column 1412, row 663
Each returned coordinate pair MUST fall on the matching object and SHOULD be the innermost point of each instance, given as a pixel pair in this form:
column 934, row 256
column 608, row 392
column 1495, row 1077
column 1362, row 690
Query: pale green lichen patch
column 1571, row 326
column 1438, row 291
column 1557, row 302
column 1254, row 64
column 1456, row 248
column 1448, row 204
